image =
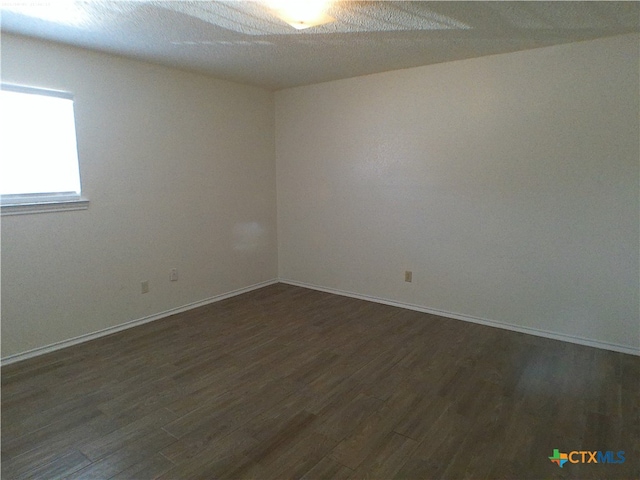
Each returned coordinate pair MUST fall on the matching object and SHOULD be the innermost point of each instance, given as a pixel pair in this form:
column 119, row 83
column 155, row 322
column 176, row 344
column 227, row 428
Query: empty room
column 320, row 239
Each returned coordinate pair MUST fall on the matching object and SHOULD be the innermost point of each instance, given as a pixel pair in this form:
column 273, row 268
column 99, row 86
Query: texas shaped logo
column 559, row 458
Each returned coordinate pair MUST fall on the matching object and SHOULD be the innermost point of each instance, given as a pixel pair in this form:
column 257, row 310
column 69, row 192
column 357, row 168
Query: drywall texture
column 507, row 184
column 179, row 170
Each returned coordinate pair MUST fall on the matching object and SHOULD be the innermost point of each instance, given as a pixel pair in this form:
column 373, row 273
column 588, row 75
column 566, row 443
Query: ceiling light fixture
column 301, row 14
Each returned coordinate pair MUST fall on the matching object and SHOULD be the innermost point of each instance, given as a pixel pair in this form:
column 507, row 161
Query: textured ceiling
column 242, row 41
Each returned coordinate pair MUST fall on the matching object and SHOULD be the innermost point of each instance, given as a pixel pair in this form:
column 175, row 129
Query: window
column 38, row 152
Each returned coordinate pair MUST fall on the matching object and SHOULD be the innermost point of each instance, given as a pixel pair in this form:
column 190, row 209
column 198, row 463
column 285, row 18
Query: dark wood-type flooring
column 286, row 382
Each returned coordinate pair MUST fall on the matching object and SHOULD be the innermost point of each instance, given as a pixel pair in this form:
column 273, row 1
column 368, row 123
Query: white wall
column 507, row 184
column 179, row 170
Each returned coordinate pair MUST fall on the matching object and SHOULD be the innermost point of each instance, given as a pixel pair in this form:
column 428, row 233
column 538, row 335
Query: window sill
column 40, row 205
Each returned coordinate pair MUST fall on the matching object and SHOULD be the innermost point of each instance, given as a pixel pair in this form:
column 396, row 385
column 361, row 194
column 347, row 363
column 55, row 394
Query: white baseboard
column 133, row 323
column 468, row 318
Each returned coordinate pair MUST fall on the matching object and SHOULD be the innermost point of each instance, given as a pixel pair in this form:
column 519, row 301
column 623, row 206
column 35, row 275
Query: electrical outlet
column 408, row 276
column 144, row 286
column 173, row 275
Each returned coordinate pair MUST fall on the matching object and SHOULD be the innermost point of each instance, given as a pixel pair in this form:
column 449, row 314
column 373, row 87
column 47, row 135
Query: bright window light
column 38, row 151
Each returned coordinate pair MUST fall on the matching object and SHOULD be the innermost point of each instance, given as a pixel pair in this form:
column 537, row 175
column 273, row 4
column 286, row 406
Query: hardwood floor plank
column 434, row 453
column 341, row 421
column 417, row 421
column 139, row 402
column 373, row 431
column 67, row 433
column 386, row 460
column 130, row 454
column 52, row 412
column 42, row 435
column 229, row 411
column 138, row 431
column 328, row 469
column 210, row 446
column 281, row 438
column 148, row 469
column 232, row 467
column 59, row 466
